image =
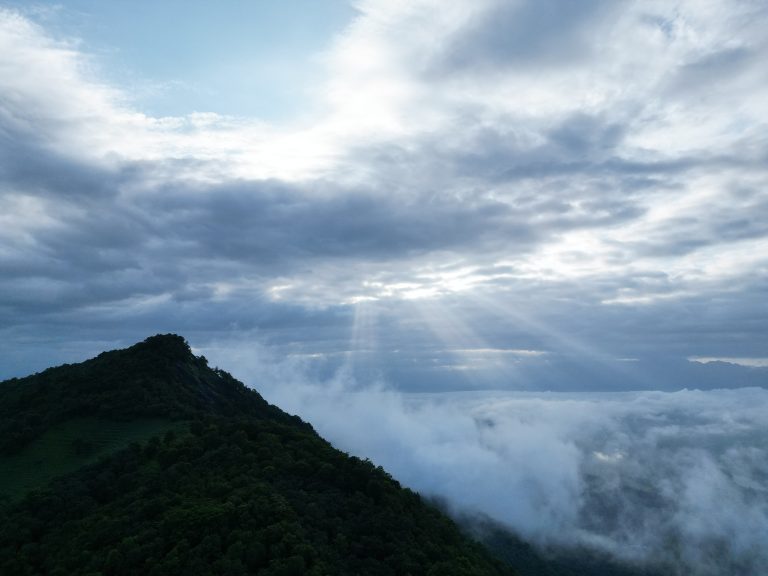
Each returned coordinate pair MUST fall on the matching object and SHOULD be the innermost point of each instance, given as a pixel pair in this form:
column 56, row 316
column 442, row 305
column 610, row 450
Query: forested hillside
column 230, row 485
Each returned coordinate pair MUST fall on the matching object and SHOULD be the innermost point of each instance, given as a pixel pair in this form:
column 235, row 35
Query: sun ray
column 363, row 349
column 556, row 339
column 465, row 349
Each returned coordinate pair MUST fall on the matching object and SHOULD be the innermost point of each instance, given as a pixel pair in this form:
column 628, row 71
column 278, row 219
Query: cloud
column 498, row 172
column 676, row 480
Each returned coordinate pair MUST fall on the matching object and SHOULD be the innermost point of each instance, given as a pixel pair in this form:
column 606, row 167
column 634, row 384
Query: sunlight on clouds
column 607, row 158
column 610, row 457
column 426, row 283
column 222, row 290
column 502, row 351
column 50, row 87
column 724, row 262
column 574, row 255
column 629, row 297
column 496, row 364
column 21, row 216
column 276, row 292
column 433, row 283
column 454, row 281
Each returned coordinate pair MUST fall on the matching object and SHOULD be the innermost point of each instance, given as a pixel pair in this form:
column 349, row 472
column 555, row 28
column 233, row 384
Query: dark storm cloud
column 258, row 227
column 28, row 164
column 268, row 221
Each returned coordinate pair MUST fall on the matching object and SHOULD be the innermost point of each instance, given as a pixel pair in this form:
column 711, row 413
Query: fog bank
column 679, row 478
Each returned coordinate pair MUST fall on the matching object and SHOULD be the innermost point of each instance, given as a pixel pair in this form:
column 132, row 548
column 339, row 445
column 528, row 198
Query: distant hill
column 147, row 461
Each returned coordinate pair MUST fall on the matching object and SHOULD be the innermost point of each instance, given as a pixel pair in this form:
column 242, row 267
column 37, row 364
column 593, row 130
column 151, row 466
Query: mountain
column 147, row 461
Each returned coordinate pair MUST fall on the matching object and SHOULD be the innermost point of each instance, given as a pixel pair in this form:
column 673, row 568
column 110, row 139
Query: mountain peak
column 169, row 344
column 159, row 377
column 168, row 347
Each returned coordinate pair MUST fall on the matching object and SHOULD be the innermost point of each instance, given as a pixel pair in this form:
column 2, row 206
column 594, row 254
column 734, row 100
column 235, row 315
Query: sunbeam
column 553, row 337
column 462, row 348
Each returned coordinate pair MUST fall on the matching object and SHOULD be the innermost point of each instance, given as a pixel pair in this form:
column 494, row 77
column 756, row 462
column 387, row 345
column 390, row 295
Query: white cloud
column 51, row 92
column 674, row 478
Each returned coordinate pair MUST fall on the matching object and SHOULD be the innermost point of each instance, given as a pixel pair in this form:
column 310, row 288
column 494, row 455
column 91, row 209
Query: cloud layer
column 673, row 480
column 587, row 181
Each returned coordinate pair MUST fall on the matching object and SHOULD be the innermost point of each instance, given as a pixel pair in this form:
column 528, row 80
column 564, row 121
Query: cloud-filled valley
column 676, row 481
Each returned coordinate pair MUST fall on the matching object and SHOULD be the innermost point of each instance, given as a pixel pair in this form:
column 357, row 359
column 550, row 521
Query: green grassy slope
column 67, row 447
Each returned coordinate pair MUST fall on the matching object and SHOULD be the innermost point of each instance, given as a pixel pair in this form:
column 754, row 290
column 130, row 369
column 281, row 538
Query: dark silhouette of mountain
column 165, row 466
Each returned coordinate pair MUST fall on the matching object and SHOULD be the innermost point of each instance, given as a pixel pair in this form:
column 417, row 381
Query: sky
column 487, row 194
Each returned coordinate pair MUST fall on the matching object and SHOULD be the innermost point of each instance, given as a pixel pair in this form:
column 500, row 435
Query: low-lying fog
column 679, row 478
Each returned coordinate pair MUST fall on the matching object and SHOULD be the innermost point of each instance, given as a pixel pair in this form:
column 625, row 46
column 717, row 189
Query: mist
column 677, row 480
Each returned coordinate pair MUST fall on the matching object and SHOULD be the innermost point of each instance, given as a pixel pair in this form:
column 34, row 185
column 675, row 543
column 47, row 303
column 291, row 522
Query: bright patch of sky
column 259, row 58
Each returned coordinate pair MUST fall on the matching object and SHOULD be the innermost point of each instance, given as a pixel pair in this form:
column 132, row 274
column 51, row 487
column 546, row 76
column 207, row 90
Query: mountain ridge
column 158, row 377
column 239, row 487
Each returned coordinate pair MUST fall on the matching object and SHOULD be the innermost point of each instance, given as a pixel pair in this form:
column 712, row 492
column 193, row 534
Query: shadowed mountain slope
column 230, row 485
